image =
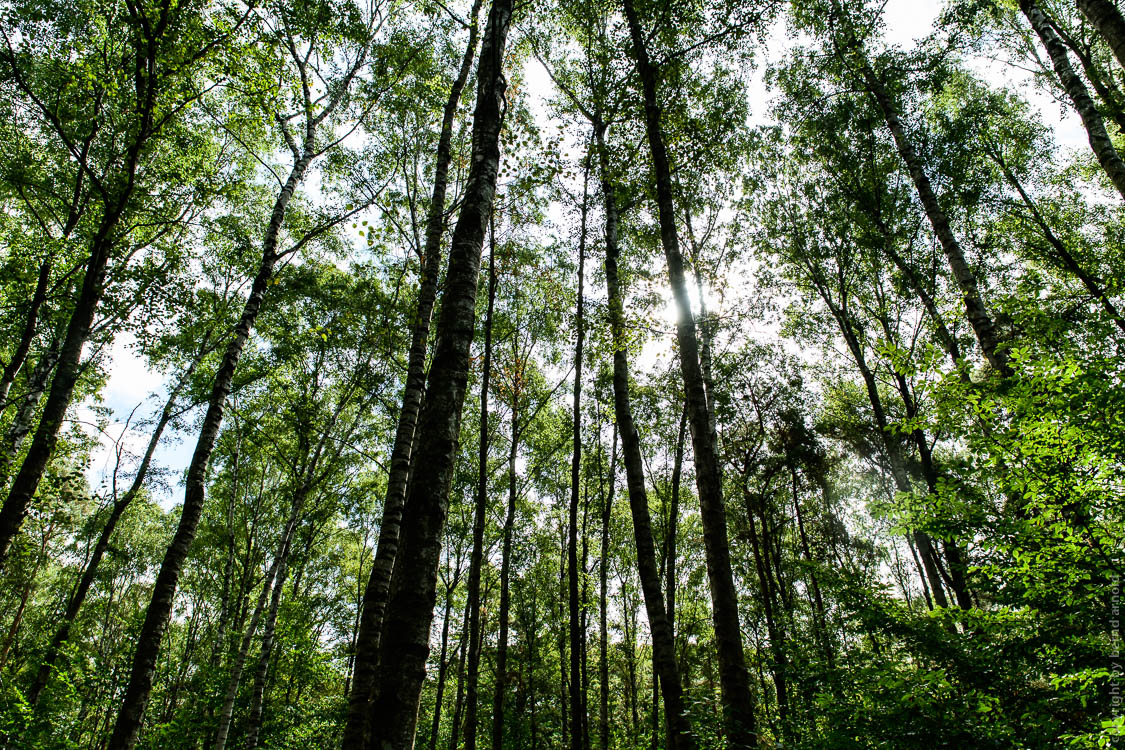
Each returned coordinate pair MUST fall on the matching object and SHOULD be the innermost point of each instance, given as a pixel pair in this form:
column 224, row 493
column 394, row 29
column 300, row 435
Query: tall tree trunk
column 1100, row 142
column 480, row 515
column 577, row 709
column 159, row 611
column 603, row 631
column 975, row 310
column 405, row 635
column 1107, row 19
column 734, row 681
column 74, row 604
column 500, row 689
column 663, row 643
column 378, row 586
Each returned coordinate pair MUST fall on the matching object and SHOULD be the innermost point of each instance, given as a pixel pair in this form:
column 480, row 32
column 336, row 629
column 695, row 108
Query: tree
column 404, row 638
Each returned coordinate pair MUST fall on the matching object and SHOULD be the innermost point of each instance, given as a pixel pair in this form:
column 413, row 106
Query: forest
column 577, row 374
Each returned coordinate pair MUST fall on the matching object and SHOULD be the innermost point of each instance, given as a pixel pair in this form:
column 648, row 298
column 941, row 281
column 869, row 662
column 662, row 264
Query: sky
column 131, row 382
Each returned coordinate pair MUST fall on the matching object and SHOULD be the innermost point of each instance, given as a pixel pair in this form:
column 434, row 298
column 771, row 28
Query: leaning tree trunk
column 375, row 595
column 663, row 645
column 1062, row 254
column 480, row 515
column 67, row 370
column 734, row 681
column 24, row 419
column 1107, row 19
column 577, row 709
column 890, row 445
column 1100, row 142
column 404, row 641
column 62, row 635
column 975, row 309
column 23, row 346
column 159, row 611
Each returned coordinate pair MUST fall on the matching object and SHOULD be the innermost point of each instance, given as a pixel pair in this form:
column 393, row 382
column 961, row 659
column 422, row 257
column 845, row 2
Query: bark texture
column 480, row 515
column 975, row 310
column 1075, row 89
column 375, row 594
column 664, row 648
column 1107, row 19
column 404, row 641
column 734, row 680
column 577, row 709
